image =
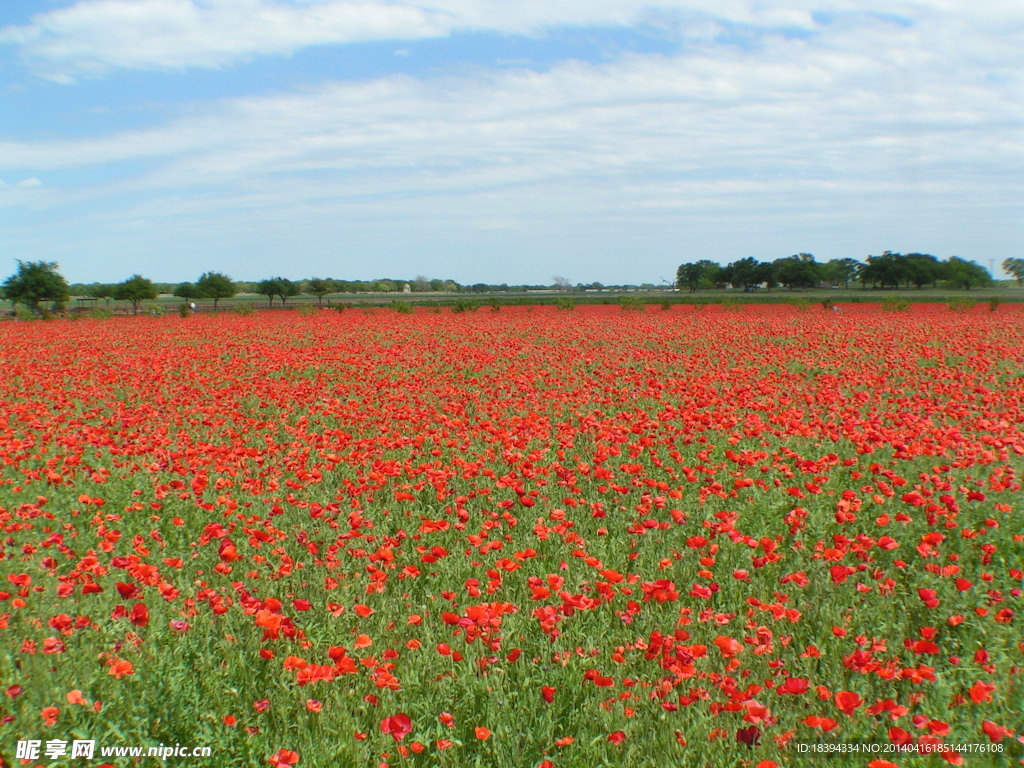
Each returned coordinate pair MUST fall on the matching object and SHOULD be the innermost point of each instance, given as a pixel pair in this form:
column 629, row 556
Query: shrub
column 465, row 305
column 495, row 305
column 993, row 303
column 243, row 309
column 402, row 307
column 307, row 309
column 100, row 313
column 961, row 304
column 565, row 304
column 631, row 303
column 802, row 304
column 827, row 303
column 183, row 310
column 666, row 305
column 894, row 304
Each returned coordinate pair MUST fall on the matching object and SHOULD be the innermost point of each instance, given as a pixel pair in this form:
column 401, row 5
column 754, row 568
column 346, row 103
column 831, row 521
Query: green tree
column 214, row 285
column 744, row 273
column 966, row 274
column 36, row 281
column 798, row 271
column 886, row 271
column 319, row 287
column 135, row 289
column 267, row 288
column 700, row 274
column 1015, row 267
column 842, row 271
column 186, row 291
column 921, row 269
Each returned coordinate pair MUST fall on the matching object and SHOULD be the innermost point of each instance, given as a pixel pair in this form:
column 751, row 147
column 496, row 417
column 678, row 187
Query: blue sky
column 496, row 141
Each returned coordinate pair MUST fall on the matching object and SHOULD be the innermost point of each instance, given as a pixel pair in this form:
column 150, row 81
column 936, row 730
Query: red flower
column 399, row 726
column 848, row 701
column 283, row 758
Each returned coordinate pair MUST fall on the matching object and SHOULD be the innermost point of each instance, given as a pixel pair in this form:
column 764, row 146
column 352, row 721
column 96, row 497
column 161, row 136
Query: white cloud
column 93, row 37
column 868, row 125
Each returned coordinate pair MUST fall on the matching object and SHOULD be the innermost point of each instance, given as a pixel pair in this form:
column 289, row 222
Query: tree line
column 802, row 270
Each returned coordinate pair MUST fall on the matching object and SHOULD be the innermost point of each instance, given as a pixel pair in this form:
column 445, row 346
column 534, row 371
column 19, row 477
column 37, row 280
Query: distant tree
column 186, row 291
column 560, row 283
column 1015, row 267
column 886, row 271
column 921, row 269
column 798, row 271
column 286, row 288
column 842, row 271
column 320, row 287
column 214, row 285
column 36, row 281
column 744, row 273
column 102, row 291
column 267, row 288
column 700, row 274
column 966, row 274
column 135, row 289
column 766, row 274
column 421, row 284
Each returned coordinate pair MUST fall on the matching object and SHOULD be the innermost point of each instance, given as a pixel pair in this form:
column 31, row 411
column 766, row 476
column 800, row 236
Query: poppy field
column 527, row 537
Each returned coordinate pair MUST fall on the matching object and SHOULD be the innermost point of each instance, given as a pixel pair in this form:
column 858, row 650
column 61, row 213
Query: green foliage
column 216, row 286
column 186, row 291
column 993, row 303
column 802, row 304
column 631, row 303
column 827, row 303
column 277, row 286
column 495, row 305
column 100, row 313
column 1015, row 267
column 798, row 271
column 243, row 308
column 320, row 287
column 965, row 274
column 700, row 274
column 135, row 290
column 307, row 310
column 183, row 310
column 34, row 282
column 565, row 304
column 465, row 305
column 402, row 307
column 895, row 304
column 961, row 304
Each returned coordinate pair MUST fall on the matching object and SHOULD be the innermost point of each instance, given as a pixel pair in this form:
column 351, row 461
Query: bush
column 307, row 309
column 465, row 305
column 565, row 304
column 183, row 310
column 827, row 303
column 666, row 305
column 402, row 307
column 993, row 304
column 893, row 304
column 728, row 302
column 495, row 305
column 100, row 313
column 802, row 304
column 631, row 303
column 961, row 304
column 243, row 309
column 157, row 310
